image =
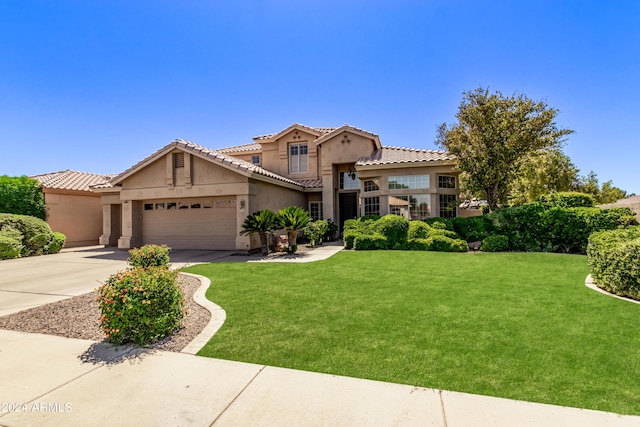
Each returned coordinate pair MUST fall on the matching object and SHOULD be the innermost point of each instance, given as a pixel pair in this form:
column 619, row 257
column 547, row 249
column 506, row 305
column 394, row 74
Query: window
column 255, row 160
column 298, row 158
column 446, row 181
column 411, row 207
column 315, row 210
column 171, row 205
column 208, row 204
column 178, row 160
column 148, row 206
column 349, row 181
column 195, row 205
column 372, row 185
column 408, row 182
column 159, row 206
column 183, row 205
column 371, row 205
column 448, row 205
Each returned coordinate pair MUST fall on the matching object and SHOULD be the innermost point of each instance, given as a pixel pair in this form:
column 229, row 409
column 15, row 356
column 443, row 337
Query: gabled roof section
column 351, row 129
column 215, row 156
column 245, row 148
column 72, row 180
column 317, row 131
column 398, row 155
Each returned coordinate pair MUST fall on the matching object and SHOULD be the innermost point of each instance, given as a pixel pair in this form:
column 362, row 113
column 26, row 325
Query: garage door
column 190, row 223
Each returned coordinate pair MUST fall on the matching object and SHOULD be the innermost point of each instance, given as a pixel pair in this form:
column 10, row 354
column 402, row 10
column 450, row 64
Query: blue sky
column 97, row 86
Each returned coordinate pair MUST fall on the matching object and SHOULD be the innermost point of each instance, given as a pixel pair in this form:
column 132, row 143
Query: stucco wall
column 77, row 215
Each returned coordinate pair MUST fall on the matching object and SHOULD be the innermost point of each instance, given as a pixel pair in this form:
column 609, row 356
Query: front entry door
column 348, row 207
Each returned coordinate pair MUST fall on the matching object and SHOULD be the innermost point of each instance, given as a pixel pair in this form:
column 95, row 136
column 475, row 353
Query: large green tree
column 543, row 172
column 492, row 137
column 23, row 196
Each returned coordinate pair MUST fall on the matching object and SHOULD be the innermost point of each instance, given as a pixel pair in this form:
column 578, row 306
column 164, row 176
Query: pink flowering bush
column 140, row 305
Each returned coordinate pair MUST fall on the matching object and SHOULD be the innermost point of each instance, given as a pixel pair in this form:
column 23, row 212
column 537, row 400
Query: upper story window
column 446, row 181
column 298, row 158
column 349, row 181
column 408, row 182
column 255, row 160
column 372, row 185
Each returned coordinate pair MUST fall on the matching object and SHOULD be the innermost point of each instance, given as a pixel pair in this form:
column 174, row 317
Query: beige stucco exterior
column 185, row 176
column 76, row 214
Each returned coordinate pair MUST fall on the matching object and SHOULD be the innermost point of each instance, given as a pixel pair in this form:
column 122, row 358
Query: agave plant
column 261, row 223
column 293, row 219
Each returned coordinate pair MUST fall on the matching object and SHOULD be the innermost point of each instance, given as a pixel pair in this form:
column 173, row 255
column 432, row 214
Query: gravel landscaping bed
column 78, row 317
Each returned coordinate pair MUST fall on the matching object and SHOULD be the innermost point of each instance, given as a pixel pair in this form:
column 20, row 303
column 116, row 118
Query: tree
column 492, row 137
column 543, row 172
column 23, row 196
column 293, row 219
column 607, row 193
column 261, row 223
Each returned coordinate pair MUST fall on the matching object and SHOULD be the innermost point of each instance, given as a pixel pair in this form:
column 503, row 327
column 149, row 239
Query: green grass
column 514, row 325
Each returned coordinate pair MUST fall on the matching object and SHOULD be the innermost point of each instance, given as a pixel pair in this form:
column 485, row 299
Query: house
column 190, row 196
column 72, row 208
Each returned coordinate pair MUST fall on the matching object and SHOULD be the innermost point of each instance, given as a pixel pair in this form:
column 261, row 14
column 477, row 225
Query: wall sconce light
column 126, row 202
column 352, row 173
column 242, row 205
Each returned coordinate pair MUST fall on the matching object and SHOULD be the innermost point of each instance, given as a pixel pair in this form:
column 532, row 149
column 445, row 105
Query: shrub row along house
column 190, row 196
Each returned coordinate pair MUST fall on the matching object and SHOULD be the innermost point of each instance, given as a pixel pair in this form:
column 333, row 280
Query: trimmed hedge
column 35, row 235
column 438, row 243
column 568, row 199
column 9, row 247
column 495, row 243
column 56, row 243
column 537, row 228
column 394, row 228
column 369, row 241
column 473, row 229
column 614, row 261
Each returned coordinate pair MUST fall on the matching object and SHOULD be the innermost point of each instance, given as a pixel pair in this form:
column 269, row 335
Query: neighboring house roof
column 72, row 180
column 398, row 155
column 216, row 156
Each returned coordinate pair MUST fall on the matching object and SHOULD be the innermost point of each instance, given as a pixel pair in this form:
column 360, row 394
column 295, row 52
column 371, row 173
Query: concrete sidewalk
column 53, row 381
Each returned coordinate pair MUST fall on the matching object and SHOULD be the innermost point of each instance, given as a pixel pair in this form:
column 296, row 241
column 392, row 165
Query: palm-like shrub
column 293, row 219
column 261, row 223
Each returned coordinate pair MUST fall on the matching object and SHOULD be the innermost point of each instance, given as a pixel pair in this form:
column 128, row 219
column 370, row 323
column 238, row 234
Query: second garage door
column 190, row 223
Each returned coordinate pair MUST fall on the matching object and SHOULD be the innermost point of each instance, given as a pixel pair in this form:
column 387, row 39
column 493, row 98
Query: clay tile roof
column 310, row 183
column 241, row 148
column 72, row 180
column 226, row 159
column 323, row 130
column 393, row 155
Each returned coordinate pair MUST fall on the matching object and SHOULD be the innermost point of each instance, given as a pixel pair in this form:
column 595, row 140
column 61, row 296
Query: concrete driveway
column 34, row 281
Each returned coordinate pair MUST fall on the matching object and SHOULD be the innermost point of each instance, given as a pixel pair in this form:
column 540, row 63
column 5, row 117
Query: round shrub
column 149, row 256
column 369, row 242
column 614, row 261
column 140, row 305
column 446, row 244
column 56, row 243
column 418, row 244
column 36, row 233
column 418, row 230
column 473, row 229
column 394, row 228
column 439, row 222
column 9, row 247
column 348, row 237
column 495, row 243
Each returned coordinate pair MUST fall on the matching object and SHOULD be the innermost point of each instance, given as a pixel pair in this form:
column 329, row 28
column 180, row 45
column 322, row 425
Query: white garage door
column 190, row 223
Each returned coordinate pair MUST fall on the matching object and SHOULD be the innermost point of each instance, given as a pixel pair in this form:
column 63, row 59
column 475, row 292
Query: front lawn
column 515, row 325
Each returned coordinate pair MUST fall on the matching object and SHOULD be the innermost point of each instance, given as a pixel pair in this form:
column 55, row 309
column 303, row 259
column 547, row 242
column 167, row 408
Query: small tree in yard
column 261, row 223
column 22, row 195
column 492, row 138
column 293, row 219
